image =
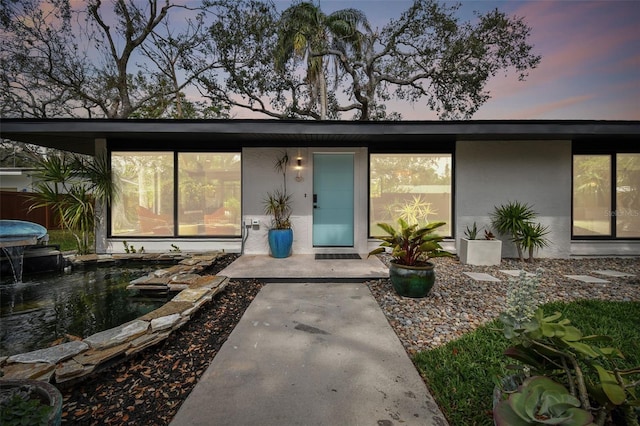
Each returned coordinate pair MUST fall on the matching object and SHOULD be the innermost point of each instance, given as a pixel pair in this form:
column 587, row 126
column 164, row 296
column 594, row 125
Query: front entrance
column 333, row 200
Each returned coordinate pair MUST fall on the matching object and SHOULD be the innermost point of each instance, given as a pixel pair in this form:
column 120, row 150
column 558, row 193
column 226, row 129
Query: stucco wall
column 492, row 173
column 259, row 177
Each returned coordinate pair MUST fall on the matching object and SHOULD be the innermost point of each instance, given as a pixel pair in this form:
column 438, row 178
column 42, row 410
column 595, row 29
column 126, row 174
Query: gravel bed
column 457, row 304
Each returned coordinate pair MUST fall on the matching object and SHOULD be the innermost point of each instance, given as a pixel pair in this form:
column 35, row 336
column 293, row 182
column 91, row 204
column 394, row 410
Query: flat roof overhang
column 79, row 135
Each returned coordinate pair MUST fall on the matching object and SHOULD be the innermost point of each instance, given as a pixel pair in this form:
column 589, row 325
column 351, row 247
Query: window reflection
column 627, row 211
column 145, row 203
column 208, row 198
column 414, row 187
column 209, row 188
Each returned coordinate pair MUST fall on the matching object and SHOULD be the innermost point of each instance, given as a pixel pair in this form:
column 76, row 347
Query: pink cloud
column 548, row 108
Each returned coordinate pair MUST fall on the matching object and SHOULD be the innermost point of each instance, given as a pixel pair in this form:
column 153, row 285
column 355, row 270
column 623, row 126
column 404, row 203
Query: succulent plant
column 541, row 401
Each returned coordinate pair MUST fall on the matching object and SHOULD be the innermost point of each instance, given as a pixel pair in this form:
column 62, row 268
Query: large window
column 209, row 194
column 176, row 194
column 144, row 205
column 606, row 195
column 414, row 187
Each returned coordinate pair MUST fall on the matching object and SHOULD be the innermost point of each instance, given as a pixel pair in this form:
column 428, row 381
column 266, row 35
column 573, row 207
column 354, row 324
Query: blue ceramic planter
column 280, row 242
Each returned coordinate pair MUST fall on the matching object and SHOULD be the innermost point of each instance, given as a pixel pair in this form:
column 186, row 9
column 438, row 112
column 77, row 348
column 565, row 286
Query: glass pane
column 591, row 195
column 628, row 195
column 209, row 194
column 415, row 187
column 145, row 203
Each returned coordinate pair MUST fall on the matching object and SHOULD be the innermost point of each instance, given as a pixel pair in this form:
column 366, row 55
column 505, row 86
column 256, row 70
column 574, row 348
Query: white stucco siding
column 259, row 178
column 492, row 173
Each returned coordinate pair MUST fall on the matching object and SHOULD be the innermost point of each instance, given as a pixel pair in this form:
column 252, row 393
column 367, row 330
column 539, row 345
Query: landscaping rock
column 51, row 355
column 458, row 304
column 27, row 371
column 117, row 335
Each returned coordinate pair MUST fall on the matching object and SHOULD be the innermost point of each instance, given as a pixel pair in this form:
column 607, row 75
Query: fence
column 15, row 205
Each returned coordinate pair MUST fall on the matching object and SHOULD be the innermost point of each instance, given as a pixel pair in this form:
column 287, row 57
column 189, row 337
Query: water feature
column 15, row 235
column 37, row 313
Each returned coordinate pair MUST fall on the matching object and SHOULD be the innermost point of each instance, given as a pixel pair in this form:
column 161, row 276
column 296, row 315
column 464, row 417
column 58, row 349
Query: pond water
column 45, row 308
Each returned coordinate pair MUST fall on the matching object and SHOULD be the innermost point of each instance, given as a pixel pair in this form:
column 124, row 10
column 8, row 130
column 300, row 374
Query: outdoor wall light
column 299, row 177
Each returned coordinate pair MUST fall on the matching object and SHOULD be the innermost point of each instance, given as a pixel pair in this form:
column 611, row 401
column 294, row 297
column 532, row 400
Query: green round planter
column 43, row 391
column 412, row 281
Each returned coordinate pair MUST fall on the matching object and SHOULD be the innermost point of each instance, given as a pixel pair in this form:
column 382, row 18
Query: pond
column 48, row 307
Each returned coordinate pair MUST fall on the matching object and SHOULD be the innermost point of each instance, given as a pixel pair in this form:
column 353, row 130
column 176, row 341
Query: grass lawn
column 461, row 373
column 64, row 239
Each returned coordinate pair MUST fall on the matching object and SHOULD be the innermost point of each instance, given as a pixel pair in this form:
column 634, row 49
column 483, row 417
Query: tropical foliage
column 411, row 245
column 550, row 346
column 278, row 203
column 75, row 187
column 304, row 31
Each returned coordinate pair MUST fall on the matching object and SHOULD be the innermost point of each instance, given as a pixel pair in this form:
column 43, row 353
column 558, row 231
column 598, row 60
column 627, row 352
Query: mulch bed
column 149, row 388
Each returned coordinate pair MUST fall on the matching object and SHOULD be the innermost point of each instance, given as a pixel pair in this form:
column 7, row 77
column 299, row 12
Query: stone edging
column 71, row 362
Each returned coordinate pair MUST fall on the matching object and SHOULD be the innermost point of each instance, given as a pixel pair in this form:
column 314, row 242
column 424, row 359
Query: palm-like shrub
column 516, row 220
column 76, row 187
column 532, row 237
column 277, row 204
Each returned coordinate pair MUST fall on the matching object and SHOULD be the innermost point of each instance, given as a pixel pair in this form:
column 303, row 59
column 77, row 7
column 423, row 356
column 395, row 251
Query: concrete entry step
column 305, row 268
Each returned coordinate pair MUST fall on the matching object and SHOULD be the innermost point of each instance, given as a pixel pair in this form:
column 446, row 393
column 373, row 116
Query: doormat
column 328, row 256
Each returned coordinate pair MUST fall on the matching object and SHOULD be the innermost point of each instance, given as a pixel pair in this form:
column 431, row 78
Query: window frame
column 612, row 150
column 118, row 147
column 443, row 148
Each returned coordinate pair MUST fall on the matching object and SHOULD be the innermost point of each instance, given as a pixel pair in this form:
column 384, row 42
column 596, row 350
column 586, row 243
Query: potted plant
column 410, row 272
column 278, row 205
column 554, row 356
column 31, row 402
column 475, row 251
column 540, row 400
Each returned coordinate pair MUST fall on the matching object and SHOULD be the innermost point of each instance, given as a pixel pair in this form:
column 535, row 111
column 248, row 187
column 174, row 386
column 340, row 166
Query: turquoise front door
column 333, row 200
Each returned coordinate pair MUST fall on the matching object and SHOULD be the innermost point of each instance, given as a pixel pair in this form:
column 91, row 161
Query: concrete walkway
column 311, row 354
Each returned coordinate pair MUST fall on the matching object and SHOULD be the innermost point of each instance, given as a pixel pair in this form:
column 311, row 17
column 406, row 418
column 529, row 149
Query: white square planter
column 480, row 252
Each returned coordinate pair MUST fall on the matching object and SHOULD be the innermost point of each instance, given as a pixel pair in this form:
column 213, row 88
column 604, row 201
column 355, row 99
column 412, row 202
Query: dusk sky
column 590, row 66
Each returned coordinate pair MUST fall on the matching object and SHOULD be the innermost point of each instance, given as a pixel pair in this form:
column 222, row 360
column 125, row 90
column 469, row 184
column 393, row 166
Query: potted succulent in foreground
column 410, row 272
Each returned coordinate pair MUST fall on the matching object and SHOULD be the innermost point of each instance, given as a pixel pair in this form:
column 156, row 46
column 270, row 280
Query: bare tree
column 244, row 41
column 425, row 55
column 97, row 61
column 428, row 54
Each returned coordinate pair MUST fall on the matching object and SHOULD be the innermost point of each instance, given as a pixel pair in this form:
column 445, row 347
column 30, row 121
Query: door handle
column 315, row 201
